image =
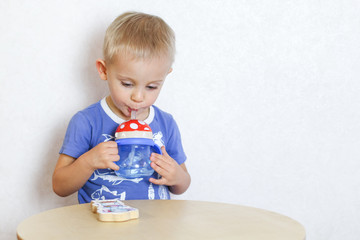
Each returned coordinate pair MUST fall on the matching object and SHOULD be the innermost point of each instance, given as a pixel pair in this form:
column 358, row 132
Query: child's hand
column 103, row 156
column 172, row 174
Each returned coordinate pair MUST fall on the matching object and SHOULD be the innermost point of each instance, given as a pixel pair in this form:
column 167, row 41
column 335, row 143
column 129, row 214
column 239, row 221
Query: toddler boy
column 138, row 54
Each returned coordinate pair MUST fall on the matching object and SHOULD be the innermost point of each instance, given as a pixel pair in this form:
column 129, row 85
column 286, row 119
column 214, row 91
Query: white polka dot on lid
column 134, row 126
column 142, row 122
column 122, row 126
column 146, row 128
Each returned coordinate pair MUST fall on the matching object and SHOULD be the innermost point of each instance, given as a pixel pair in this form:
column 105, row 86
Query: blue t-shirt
column 97, row 124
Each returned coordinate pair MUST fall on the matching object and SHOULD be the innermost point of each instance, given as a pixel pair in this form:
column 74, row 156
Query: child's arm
column 172, row 174
column 71, row 174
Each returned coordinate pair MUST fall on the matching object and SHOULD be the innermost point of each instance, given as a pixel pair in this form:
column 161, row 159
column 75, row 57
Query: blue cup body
column 135, row 157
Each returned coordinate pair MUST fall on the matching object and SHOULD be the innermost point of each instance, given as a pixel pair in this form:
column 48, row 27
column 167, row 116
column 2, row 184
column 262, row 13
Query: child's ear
column 101, row 67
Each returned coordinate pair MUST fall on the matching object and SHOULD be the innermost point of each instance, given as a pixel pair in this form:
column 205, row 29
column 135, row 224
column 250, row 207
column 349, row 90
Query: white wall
column 266, row 94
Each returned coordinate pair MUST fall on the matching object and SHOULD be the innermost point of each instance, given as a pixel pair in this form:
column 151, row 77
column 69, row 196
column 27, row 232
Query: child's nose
column 137, row 95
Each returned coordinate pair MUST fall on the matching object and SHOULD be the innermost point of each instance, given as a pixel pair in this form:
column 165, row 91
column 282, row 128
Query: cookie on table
column 113, row 211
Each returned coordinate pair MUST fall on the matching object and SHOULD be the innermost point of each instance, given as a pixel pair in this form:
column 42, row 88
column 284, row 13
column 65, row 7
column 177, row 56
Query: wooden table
column 164, row 219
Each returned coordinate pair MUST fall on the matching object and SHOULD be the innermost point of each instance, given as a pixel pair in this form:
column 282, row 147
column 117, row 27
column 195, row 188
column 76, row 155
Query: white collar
column 118, row 119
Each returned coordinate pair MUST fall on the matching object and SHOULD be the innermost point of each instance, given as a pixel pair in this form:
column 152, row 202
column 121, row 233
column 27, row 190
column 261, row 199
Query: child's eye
column 126, row 84
column 151, row 87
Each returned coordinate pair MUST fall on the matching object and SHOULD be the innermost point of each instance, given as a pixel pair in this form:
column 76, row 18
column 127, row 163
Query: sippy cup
column 135, row 143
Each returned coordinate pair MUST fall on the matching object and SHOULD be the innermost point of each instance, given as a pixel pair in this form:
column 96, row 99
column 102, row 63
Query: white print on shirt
column 163, row 194
column 112, row 178
column 151, row 192
column 98, row 194
column 108, row 137
column 157, row 137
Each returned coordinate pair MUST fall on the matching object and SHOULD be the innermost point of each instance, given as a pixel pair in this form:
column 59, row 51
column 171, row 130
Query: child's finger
column 164, row 152
column 116, row 158
column 113, row 151
column 113, row 166
column 160, row 181
column 111, row 144
column 161, row 159
column 158, row 169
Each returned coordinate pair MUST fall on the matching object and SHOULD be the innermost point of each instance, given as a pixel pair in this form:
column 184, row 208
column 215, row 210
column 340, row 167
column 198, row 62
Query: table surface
column 164, row 219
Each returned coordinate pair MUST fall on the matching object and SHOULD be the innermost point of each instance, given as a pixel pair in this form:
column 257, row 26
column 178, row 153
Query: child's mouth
column 132, row 109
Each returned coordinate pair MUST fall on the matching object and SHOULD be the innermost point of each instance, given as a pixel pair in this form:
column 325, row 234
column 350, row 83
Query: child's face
column 134, row 84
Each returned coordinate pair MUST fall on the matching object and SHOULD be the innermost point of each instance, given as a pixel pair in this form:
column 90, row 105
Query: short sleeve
column 77, row 137
column 174, row 145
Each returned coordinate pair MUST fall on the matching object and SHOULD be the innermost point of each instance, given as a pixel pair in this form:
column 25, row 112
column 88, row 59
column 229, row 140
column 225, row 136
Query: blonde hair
column 139, row 35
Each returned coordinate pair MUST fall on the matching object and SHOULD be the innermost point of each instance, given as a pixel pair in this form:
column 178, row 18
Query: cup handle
column 157, row 149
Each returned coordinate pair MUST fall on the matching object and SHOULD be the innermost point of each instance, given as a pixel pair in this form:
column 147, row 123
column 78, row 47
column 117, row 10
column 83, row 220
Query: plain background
column 266, row 95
